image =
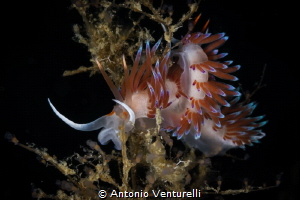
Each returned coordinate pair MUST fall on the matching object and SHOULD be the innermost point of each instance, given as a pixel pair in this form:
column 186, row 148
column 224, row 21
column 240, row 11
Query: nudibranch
column 184, row 84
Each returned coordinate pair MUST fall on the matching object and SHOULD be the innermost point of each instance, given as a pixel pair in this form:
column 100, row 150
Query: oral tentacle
column 94, row 125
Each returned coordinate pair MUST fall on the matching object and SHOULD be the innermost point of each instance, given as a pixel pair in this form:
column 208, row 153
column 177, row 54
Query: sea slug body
column 185, row 85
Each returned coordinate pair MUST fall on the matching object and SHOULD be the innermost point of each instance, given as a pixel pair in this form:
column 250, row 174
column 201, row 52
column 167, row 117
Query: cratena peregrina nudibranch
column 194, row 105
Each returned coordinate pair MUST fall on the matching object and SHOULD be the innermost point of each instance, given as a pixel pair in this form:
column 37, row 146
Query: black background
column 37, row 47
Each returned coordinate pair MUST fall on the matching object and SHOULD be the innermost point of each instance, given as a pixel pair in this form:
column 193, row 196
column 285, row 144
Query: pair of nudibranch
column 201, row 111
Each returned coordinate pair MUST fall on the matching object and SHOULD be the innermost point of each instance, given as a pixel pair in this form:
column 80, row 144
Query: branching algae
column 164, row 88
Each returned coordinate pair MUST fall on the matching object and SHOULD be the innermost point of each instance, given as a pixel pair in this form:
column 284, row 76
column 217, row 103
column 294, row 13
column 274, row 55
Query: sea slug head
column 122, row 116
